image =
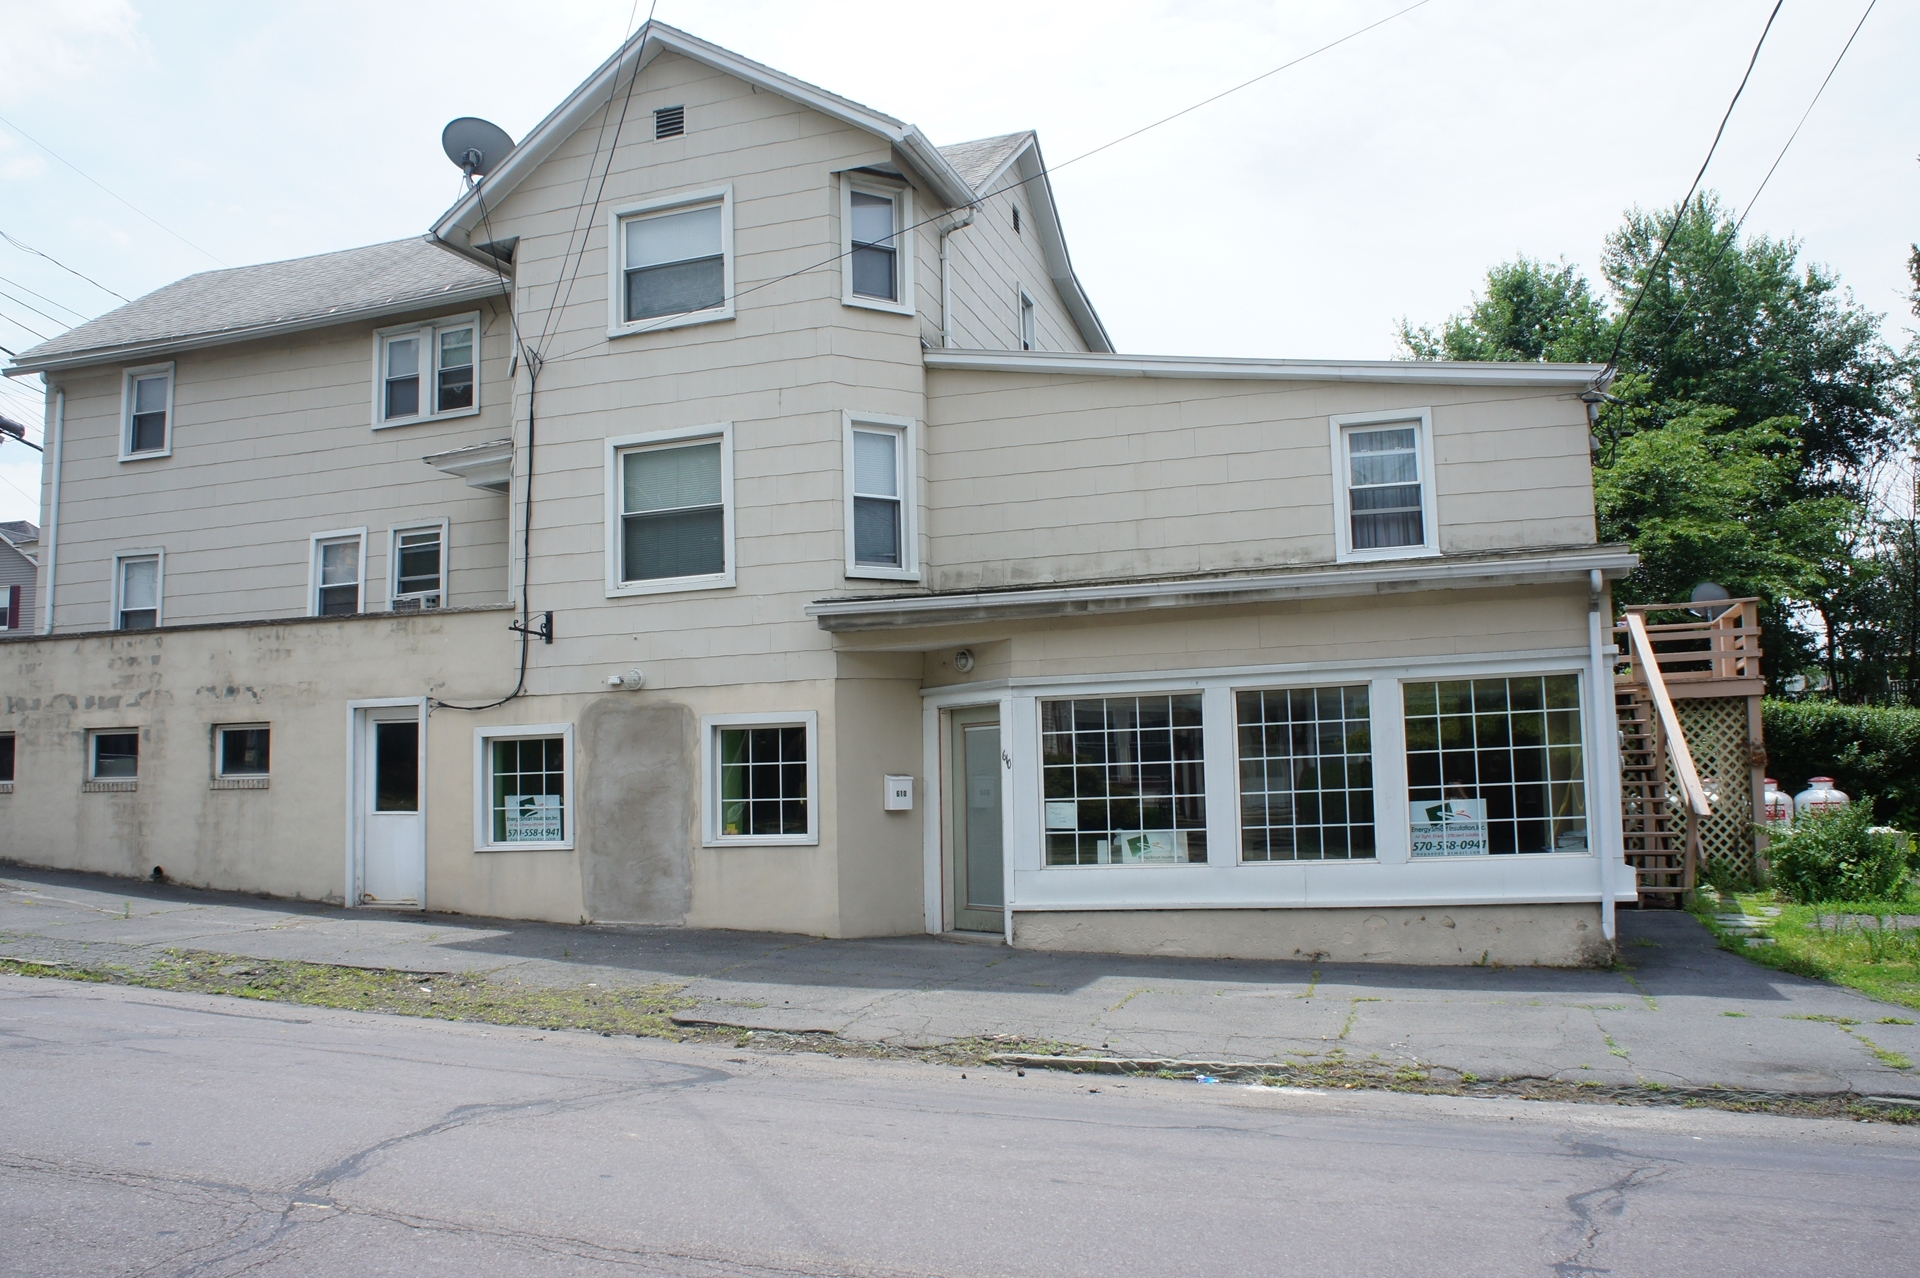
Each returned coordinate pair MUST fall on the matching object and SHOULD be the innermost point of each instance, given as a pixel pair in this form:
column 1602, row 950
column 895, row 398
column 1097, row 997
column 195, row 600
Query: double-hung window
column 880, row 524
column 426, row 371
column 136, row 592
column 525, row 787
column 673, row 263
column 1123, row 780
column 761, row 786
column 418, row 562
column 876, row 248
column 147, row 425
column 1383, row 485
column 671, row 512
column 337, row 572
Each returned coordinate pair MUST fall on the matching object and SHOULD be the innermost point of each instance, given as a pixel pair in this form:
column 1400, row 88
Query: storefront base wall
column 1566, row 935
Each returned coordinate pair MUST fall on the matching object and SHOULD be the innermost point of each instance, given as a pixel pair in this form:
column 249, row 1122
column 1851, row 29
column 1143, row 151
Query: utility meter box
column 899, row 795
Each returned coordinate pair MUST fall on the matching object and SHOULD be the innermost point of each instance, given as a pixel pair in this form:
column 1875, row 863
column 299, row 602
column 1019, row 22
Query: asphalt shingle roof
column 975, row 161
column 19, row 530
column 380, row 277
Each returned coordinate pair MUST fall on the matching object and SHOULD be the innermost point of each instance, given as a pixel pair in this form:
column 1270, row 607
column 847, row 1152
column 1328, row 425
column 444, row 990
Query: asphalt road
column 154, row 1134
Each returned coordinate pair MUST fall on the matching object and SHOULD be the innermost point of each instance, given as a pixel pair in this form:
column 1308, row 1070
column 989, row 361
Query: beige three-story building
column 732, row 512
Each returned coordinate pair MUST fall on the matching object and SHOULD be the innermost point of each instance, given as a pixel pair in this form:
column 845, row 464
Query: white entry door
column 392, row 834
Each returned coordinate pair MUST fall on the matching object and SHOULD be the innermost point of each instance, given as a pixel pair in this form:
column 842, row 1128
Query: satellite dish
column 1709, row 593
column 475, row 145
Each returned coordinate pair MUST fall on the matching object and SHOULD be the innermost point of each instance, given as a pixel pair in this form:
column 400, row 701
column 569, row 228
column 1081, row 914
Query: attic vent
column 669, row 122
column 1016, row 219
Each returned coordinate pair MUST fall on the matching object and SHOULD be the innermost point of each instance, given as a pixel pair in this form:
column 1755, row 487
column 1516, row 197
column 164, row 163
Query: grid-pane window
column 338, row 577
column 876, row 498
column 417, row 568
column 675, row 263
column 1306, row 775
column 672, row 513
column 1506, row 752
column 763, row 781
column 1124, row 780
column 402, row 398
column 6, row 756
column 139, row 593
column 875, row 266
column 1383, row 493
column 453, row 369
column 147, row 423
column 527, row 787
column 243, row 751
column 116, row 756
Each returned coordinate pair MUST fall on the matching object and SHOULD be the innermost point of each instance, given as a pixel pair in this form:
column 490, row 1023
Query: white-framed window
column 760, row 777
column 1029, row 325
column 880, row 507
column 137, row 577
column 337, row 570
column 1495, row 765
column 670, row 511
column 1306, row 774
column 672, row 262
column 113, row 754
column 242, row 750
column 426, row 371
column 1383, row 485
column 1124, row 780
column 146, row 412
column 417, row 566
column 523, row 788
column 875, row 244
column 6, row 760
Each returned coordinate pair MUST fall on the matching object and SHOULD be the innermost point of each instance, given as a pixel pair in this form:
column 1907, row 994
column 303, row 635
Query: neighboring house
column 18, row 567
column 864, row 589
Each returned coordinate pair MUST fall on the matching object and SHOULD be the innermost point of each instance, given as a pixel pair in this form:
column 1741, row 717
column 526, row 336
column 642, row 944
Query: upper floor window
column 1029, row 327
column 671, row 512
column 875, row 247
column 136, row 592
column 426, row 371
column 673, row 262
column 147, row 426
column 418, row 559
column 1384, row 484
column 879, row 512
column 338, row 559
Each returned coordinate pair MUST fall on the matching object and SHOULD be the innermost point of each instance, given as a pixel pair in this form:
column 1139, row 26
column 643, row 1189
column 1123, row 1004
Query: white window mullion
column 1223, row 776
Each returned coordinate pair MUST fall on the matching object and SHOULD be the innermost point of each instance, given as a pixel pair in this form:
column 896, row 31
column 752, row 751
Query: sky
column 1304, row 216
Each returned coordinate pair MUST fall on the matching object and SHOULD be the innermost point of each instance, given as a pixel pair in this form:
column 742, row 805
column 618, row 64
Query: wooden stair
column 1657, row 850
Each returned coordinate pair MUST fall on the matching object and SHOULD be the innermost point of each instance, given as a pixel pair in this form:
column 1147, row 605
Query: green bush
column 1832, row 856
column 1869, row 751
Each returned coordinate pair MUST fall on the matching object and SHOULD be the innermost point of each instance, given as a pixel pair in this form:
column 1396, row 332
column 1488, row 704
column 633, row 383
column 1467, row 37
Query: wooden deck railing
column 1687, row 648
column 1640, row 651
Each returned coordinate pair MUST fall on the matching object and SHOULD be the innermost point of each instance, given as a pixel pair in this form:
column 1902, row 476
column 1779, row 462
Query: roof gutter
column 1069, row 363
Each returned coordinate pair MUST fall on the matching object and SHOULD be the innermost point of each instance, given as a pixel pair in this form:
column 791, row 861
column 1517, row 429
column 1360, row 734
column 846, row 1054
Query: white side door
column 392, row 835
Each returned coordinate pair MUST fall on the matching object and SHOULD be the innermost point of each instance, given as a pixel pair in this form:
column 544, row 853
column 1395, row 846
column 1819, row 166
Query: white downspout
column 1604, row 825
column 52, row 531
column 946, row 280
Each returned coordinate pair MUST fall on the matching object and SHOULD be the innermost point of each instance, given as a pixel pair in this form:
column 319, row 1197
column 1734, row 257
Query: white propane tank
column 1779, row 804
column 1819, row 796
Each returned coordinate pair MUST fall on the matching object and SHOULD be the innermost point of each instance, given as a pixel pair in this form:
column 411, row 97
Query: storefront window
column 1306, row 775
column 1495, row 766
column 1124, row 780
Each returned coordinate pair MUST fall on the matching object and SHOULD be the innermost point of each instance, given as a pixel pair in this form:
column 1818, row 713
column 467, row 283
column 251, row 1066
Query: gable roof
column 217, row 307
column 980, row 161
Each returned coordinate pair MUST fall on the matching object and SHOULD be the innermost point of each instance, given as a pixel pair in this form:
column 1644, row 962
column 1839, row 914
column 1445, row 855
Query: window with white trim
column 1383, row 484
column 762, row 786
column 877, row 251
column 338, row 561
column 1496, row 765
column 241, row 750
column 6, row 757
column 113, row 755
column 525, row 787
column 136, row 592
column 672, row 507
column 147, row 425
column 880, row 523
column 418, row 563
column 1029, row 326
column 427, row 371
column 1123, row 780
column 673, row 262
column 1306, row 774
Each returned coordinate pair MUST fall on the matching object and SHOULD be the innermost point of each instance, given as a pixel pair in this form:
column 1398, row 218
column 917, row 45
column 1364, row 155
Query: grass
column 1882, row 963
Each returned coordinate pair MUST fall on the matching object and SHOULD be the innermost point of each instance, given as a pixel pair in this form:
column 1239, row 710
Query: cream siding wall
column 18, row 570
column 1041, row 478
column 272, row 442
column 990, row 263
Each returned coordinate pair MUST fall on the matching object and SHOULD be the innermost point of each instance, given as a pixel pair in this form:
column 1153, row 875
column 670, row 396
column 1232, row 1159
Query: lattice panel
column 1716, row 729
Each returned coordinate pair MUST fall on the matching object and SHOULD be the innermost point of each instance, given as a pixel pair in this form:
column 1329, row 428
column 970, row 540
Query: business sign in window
column 1451, row 827
column 533, row 818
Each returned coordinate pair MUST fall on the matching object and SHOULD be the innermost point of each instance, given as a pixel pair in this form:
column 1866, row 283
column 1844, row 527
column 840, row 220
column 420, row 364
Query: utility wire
column 17, row 324
column 54, row 319
column 1620, row 335
column 28, row 248
column 82, row 315
column 116, row 195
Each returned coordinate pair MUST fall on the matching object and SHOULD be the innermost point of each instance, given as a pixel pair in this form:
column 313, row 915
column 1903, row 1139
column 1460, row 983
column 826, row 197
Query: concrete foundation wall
column 1515, row 935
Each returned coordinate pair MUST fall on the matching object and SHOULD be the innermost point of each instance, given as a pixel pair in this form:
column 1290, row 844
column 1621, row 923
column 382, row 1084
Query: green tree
column 1531, row 311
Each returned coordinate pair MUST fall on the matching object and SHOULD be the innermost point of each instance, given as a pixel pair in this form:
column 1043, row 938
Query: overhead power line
column 110, row 191
column 81, row 315
column 1804, row 114
column 28, row 248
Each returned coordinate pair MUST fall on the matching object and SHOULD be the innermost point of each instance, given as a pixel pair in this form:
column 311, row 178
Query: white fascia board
column 129, row 352
column 904, row 611
column 630, row 59
column 1429, row 372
